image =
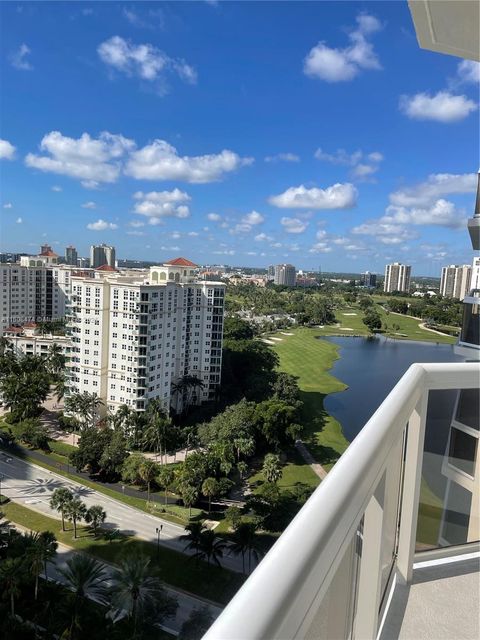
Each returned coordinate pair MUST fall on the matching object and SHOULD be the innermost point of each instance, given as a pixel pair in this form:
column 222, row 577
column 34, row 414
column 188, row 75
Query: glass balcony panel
column 450, row 471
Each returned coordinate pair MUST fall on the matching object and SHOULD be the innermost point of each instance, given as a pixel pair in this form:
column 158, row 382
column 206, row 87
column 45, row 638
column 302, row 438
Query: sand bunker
column 267, row 341
column 345, row 329
column 284, row 333
column 349, row 314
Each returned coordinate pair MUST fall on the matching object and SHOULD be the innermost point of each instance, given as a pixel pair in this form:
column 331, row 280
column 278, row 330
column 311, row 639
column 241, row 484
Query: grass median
column 175, row 569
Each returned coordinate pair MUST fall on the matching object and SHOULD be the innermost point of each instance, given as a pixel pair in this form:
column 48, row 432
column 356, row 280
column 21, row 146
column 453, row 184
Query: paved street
column 33, row 486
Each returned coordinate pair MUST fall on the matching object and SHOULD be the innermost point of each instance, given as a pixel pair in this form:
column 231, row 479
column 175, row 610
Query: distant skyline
column 240, row 133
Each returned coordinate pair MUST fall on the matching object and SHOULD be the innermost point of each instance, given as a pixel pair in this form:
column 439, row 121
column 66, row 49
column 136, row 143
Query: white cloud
column 19, row 220
column 263, row 237
column 364, row 165
column 338, row 196
column 7, row 150
column 144, row 60
column 320, row 247
column 101, row 225
column 469, row 71
column 253, row 218
column 385, row 232
column 225, row 252
column 89, row 205
column 436, row 186
column 321, row 233
column 293, row 225
column 92, row 160
column 241, row 228
column 136, row 223
column 214, row 217
column 8, row 205
column 342, row 64
column 160, row 161
column 162, row 204
column 283, row 157
column 193, row 234
column 442, row 107
column 135, row 233
column 442, row 213
column 154, row 19
column 18, row 58
column 56, row 188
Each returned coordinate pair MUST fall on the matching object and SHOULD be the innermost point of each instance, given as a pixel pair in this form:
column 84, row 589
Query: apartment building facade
column 136, row 336
column 455, row 281
column 285, row 274
column 397, row 277
column 71, row 256
column 368, row 279
column 102, row 254
column 33, row 290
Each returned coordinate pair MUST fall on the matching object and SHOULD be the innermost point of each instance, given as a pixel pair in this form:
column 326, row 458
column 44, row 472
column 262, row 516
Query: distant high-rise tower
column 271, row 272
column 368, row 279
column 397, row 277
column 285, row 274
column 455, row 282
column 71, row 256
column 102, row 254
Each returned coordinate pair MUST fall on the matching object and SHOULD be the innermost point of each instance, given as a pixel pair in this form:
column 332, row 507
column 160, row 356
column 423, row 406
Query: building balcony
column 387, row 546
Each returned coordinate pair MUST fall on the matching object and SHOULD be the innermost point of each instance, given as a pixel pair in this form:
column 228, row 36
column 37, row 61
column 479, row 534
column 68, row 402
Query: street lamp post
column 159, row 531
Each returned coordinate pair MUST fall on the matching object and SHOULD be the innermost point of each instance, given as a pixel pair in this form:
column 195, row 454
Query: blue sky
column 238, row 133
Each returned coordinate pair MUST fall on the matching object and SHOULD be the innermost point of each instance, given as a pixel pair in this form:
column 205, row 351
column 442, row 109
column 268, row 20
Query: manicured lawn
column 176, row 569
column 310, row 359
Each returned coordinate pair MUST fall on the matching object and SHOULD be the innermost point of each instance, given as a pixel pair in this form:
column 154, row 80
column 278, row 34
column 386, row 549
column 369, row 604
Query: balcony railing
column 330, row 572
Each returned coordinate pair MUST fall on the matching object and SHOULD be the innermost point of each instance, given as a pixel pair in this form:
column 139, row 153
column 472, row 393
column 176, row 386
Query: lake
column 371, row 367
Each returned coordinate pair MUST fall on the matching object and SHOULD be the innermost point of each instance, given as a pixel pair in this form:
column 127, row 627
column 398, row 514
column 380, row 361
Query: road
column 33, row 486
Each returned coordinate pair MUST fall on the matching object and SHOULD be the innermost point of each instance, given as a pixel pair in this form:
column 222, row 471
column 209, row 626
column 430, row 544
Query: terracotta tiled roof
column 180, row 262
column 30, row 325
column 49, row 254
column 105, row 267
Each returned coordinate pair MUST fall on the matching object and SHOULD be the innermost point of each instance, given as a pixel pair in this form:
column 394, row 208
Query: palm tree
column 60, row 500
column 210, row 489
column 136, row 591
column 85, row 577
column 193, row 536
column 86, row 405
column 76, row 510
column 166, row 478
column 210, row 547
column 49, row 545
column 95, row 515
column 272, row 469
column 189, row 495
column 147, row 472
column 244, row 446
column 56, row 359
column 246, row 541
column 11, row 571
column 34, row 556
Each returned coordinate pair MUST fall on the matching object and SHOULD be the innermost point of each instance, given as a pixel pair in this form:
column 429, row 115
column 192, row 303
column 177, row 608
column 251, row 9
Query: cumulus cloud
column 56, row 188
column 293, row 225
column 91, row 160
column 89, row 205
column 385, row 232
column 263, row 237
column 7, row 150
column 160, row 161
column 135, row 233
column 343, row 64
column 253, row 218
column 364, row 165
column 19, row 220
column 320, row 247
column 442, row 213
column 469, row 71
column 441, row 107
column 144, row 60
column 8, row 205
column 436, row 186
column 136, row 223
column 18, row 58
column 153, row 19
column 162, row 204
column 101, row 225
column 214, row 217
column 338, row 196
column 283, row 157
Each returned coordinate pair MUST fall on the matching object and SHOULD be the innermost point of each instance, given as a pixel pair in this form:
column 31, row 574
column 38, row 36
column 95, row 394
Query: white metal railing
column 357, row 504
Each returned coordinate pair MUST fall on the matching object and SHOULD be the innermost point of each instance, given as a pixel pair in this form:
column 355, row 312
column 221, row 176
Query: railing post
column 368, row 598
column 411, row 489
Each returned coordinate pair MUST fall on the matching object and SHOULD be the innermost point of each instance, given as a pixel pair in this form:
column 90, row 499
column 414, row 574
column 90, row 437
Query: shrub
column 33, row 434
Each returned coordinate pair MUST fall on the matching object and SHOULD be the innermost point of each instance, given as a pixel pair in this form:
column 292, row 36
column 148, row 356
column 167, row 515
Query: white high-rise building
column 455, row 281
column 475, row 279
column 33, row 290
column 100, row 255
column 285, row 274
column 135, row 336
column 397, row 277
